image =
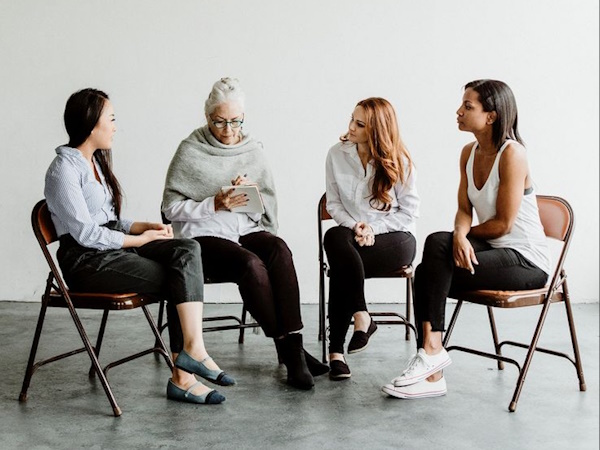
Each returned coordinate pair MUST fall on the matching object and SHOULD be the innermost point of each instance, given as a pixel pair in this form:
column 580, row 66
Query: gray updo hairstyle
column 223, row 91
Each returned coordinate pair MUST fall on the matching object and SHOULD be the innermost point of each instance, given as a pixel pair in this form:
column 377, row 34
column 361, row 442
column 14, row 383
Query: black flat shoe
column 360, row 339
column 339, row 370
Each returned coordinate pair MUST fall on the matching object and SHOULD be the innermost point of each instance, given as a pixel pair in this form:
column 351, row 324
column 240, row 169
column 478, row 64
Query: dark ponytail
column 82, row 112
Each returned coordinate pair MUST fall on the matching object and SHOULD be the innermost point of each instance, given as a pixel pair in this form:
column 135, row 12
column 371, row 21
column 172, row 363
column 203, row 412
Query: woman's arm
column 408, row 206
column 334, row 204
column 67, row 203
column 463, row 252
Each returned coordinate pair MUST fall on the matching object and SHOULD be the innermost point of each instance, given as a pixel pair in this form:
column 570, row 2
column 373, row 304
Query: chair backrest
column 558, row 220
column 41, row 221
column 322, row 213
column 557, row 217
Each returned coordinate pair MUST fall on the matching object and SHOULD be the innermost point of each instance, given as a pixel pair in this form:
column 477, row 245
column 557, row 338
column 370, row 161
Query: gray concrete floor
column 67, row 410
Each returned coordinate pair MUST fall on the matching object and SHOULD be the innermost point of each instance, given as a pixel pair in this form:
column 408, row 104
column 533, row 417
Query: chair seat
column 86, row 300
column 402, row 272
column 507, row 299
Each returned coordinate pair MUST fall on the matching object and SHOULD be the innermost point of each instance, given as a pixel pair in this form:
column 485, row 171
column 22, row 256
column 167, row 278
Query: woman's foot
column 423, row 366
column 364, row 328
column 293, row 356
column 339, row 369
column 203, row 366
column 193, row 391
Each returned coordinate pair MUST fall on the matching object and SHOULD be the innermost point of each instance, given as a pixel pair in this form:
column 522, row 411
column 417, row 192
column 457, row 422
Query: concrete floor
column 67, row 410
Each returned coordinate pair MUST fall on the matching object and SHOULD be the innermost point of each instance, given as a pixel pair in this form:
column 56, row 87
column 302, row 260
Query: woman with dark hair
column 507, row 250
column 102, row 252
column 372, row 195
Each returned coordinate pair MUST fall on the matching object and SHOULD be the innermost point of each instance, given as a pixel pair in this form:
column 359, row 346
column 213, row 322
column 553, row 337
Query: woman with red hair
column 372, row 195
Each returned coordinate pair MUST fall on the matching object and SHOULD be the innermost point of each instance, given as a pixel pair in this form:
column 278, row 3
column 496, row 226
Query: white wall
column 304, row 65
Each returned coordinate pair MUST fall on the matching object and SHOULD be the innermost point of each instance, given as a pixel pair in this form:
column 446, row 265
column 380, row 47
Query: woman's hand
column 242, row 180
column 463, row 253
column 144, row 232
column 225, row 200
column 140, row 227
column 363, row 234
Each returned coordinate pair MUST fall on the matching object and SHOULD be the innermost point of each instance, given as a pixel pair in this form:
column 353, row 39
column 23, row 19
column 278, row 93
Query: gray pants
column 169, row 268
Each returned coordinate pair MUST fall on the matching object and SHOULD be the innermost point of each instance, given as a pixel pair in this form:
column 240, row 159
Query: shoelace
column 413, row 363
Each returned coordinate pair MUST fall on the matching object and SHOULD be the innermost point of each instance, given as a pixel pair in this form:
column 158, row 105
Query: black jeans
column 262, row 267
column 170, row 268
column 350, row 264
column 437, row 276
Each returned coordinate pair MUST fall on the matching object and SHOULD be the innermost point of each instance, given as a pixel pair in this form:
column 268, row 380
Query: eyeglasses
column 220, row 124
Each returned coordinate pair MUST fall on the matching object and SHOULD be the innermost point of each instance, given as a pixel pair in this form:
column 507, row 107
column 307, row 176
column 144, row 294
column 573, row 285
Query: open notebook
column 255, row 203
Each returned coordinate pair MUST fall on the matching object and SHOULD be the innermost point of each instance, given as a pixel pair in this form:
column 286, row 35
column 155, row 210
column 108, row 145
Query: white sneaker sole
column 421, row 377
column 393, row 392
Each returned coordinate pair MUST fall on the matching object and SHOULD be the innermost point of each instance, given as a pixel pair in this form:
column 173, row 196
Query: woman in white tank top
column 505, row 250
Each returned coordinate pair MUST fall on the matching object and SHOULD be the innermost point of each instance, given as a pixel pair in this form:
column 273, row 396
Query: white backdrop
column 304, row 65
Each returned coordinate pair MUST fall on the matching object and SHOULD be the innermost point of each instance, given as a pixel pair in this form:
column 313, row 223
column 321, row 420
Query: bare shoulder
column 514, row 153
column 466, row 152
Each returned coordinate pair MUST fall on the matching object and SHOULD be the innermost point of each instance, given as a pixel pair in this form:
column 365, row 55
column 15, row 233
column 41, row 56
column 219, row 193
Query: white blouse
column 192, row 219
column 348, row 188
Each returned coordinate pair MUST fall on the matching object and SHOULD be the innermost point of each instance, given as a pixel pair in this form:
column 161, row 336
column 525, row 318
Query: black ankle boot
column 291, row 353
column 315, row 367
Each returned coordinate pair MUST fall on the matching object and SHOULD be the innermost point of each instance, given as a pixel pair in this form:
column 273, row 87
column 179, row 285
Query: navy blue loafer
column 211, row 397
column 185, row 362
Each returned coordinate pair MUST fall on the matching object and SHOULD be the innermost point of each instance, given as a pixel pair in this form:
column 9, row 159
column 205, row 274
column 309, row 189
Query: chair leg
column 242, row 329
column 409, row 297
column 99, row 340
column 512, row 407
column 497, row 347
column 161, row 312
column 452, row 323
column 95, row 363
column 578, row 365
column 161, row 343
column 322, row 317
column 34, row 346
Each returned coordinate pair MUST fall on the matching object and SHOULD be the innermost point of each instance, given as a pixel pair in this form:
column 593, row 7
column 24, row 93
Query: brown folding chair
column 558, row 221
column 56, row 294
column 393, row 318
column 239, row 323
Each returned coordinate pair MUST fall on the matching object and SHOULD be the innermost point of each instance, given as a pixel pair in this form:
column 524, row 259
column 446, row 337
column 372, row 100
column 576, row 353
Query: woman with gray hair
column 239, row 247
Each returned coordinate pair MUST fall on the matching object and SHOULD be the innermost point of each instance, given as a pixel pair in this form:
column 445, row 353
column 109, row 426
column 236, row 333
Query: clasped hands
column 363, row 234
column 226, row 200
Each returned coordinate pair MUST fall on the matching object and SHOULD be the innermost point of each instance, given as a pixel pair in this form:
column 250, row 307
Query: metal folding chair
column 558, row 220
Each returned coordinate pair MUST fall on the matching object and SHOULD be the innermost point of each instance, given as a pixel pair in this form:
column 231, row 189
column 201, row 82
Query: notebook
column 255, row 203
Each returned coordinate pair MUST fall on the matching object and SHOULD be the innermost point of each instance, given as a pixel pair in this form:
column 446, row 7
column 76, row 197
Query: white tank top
column 527, row 234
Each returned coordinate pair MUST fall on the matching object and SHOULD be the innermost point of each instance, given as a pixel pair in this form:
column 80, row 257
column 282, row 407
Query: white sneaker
column 422, row 389
column 422, row 366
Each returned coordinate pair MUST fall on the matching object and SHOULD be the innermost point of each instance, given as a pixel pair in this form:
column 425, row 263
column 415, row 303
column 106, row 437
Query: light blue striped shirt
column 79, row 205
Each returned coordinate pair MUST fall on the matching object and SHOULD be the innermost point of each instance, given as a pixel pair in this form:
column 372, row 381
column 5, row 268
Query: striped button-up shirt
column 79, row 205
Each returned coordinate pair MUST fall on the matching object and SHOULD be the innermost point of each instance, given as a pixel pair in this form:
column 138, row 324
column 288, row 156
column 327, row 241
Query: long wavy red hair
column 388, row 152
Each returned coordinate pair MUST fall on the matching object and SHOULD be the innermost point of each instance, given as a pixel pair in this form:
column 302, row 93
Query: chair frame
column 394, row 318
column 239, row 322
column 558, row 220
column 57, row 294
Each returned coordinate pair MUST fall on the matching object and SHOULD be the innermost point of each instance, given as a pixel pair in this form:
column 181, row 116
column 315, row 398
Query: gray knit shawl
column 202, row 164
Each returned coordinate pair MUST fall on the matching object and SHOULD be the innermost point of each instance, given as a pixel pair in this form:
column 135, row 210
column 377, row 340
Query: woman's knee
column 437, row 242
column 337, row 237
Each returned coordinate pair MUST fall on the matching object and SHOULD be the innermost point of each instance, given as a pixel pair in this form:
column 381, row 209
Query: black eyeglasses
column 220, row 124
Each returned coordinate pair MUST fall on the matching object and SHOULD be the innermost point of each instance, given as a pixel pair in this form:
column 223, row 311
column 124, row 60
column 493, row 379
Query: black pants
column 170, row 268
column 350, row 264
column 264, row 271
column 437, row 276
